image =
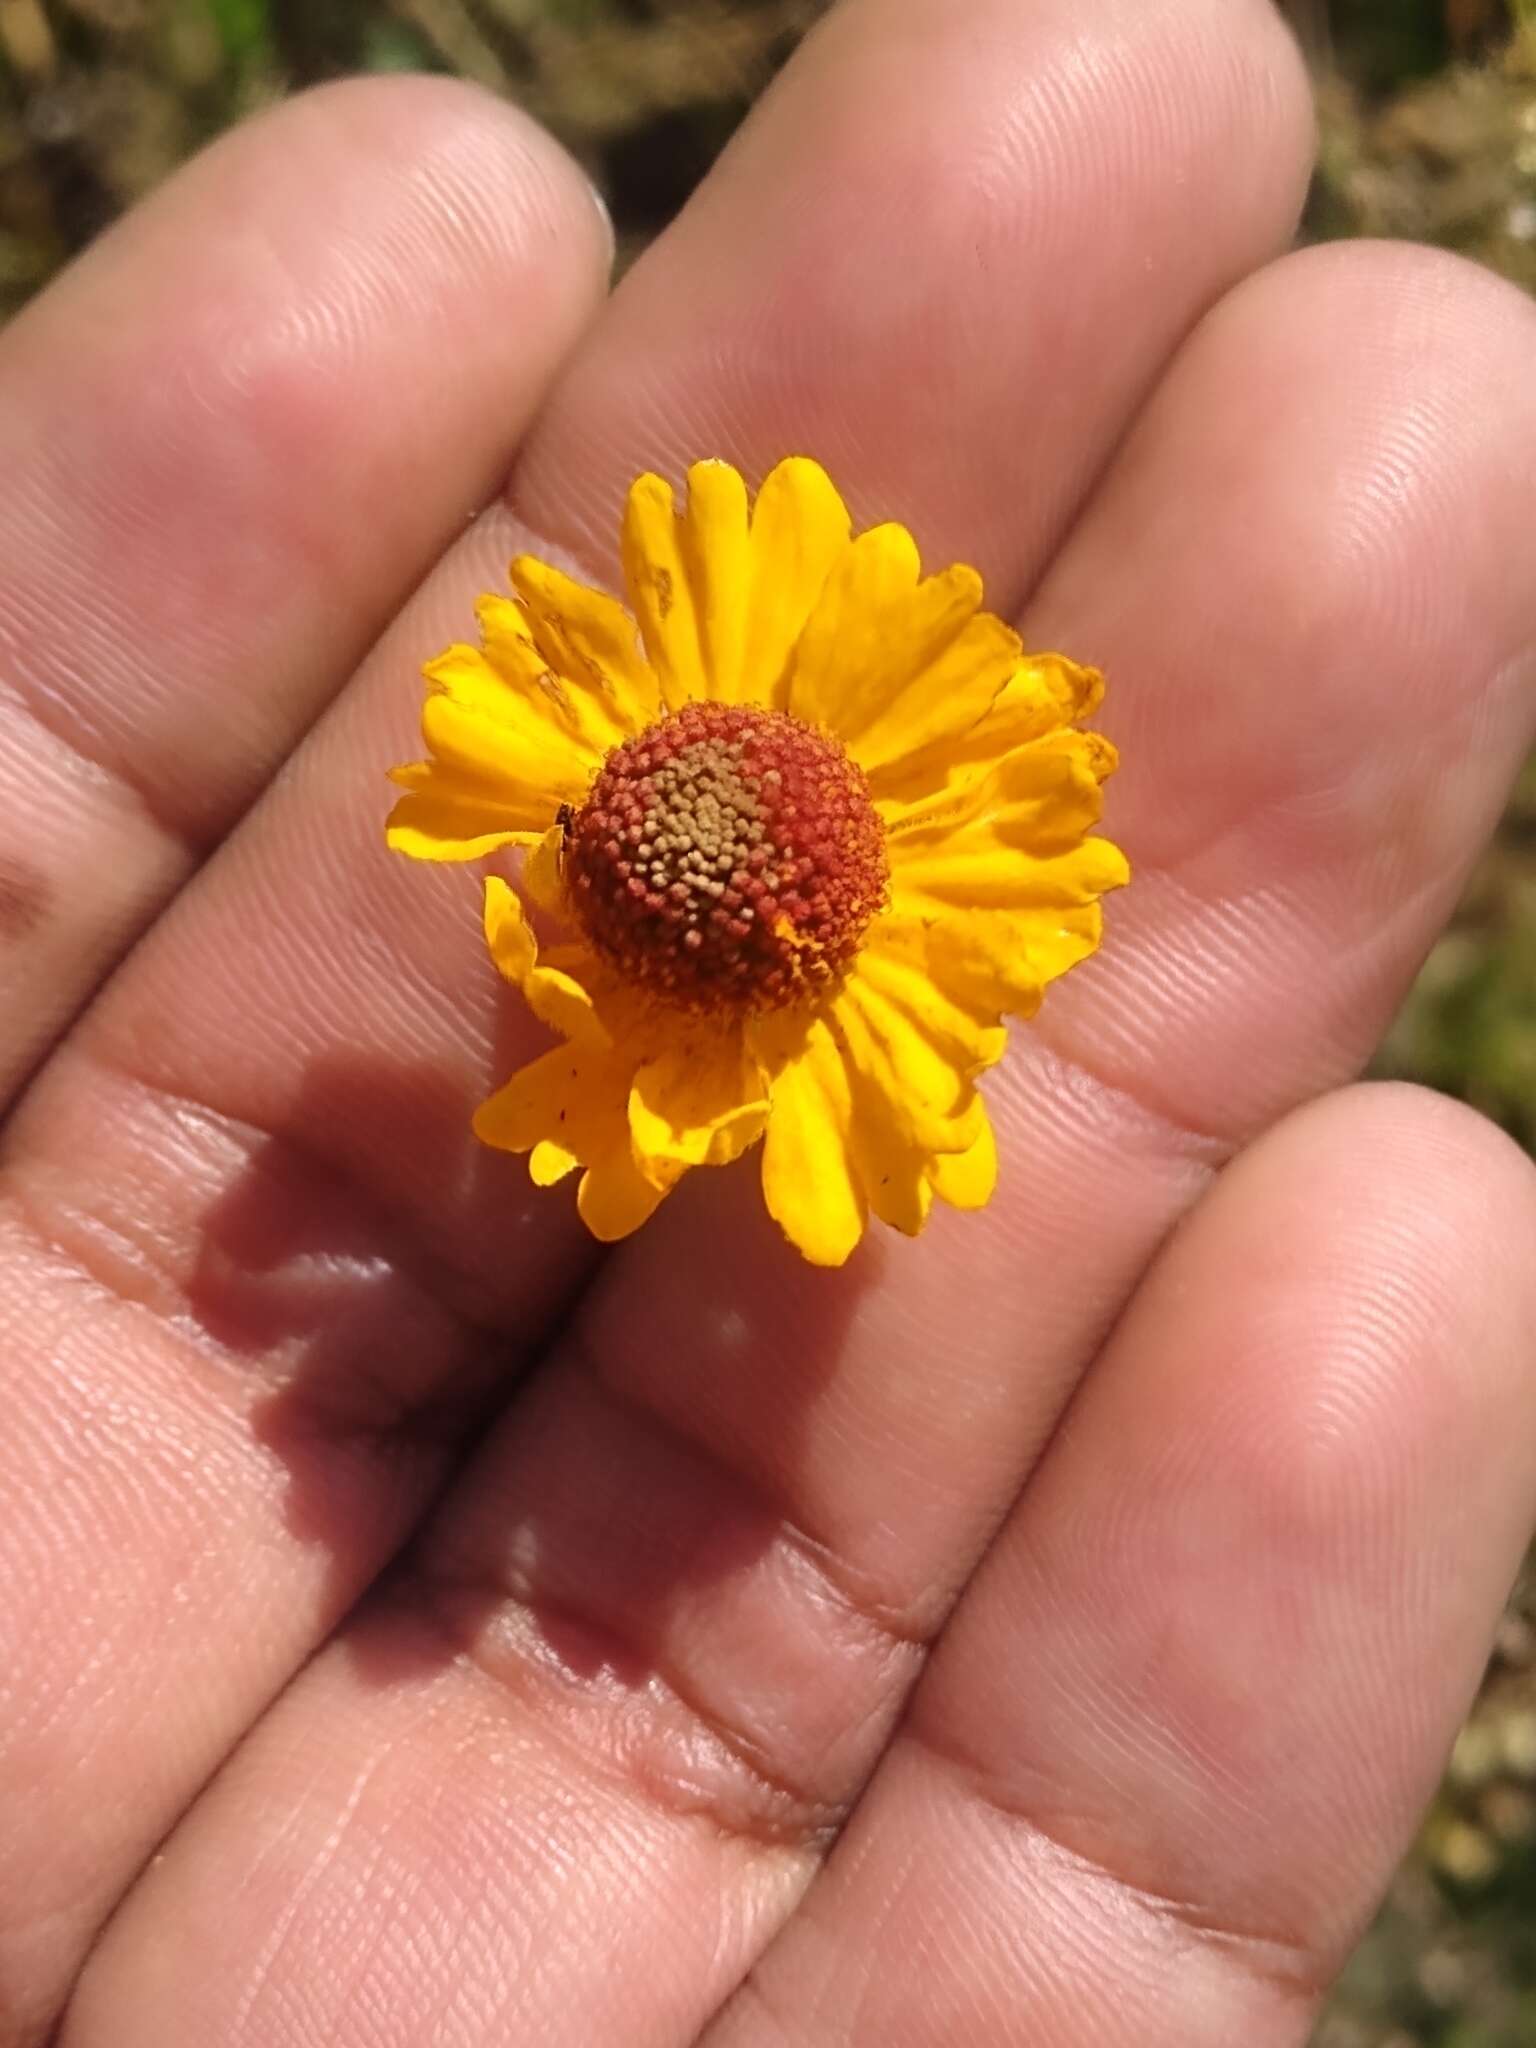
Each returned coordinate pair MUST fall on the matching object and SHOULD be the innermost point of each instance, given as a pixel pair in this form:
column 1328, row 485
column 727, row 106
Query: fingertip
column 1440, row 1186
column 456, row 133
column 973, row 217
column 236, row 433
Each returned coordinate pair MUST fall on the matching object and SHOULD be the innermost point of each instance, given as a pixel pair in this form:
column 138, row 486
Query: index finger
column 236, row 434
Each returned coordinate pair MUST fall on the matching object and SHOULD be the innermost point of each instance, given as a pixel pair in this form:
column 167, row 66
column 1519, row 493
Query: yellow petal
column 504, row 756
column 580, row 704
column 891, row 1170
column 1073, row 688
column 722, row 596
column 451, row 817
column 717, row 558
column 1045, row 693
column 975, row 877
column 997, row 963
column 864, row 1100
column 1042, row 798
column 800, row 527
column 689, row 578
column 967, row 1180
column 549, row 1163
column 573, row 1098
column 808, row 1179
column 585, row 633
column 615, row 1198
column 895, row 1178
column 542, row 879
column 916, row 1053
column 699, row 1102
column 894, row 664
column 568, row 1109
column 522, row 735
column 506, row 640
column 889, row 1164
column 993, row 883
column 557, row 998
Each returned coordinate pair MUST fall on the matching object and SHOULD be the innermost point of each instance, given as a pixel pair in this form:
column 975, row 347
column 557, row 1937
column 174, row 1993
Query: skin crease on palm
column 417, row 1628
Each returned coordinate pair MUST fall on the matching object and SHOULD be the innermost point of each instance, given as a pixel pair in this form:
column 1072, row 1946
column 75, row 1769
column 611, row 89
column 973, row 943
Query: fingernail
column 605, row 216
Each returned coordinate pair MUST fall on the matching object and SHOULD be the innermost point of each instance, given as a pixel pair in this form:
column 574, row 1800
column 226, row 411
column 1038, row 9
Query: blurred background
column 1429, row 130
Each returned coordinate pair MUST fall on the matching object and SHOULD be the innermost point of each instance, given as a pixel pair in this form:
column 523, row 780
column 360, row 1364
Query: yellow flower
column 813, row 833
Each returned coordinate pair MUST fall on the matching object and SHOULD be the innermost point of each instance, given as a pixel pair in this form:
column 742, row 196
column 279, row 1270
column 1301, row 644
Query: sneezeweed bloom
column 809, row 835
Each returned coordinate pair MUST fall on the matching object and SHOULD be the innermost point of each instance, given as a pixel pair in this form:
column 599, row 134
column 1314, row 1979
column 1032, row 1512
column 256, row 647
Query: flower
column 811, row 833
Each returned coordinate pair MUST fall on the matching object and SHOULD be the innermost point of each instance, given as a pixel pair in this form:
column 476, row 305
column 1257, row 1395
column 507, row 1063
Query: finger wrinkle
column 242, row 1284
column 669, row 1750
column 552, row 1587
column 42, row 728
column 833, row 1581
column 1282, row 1960
column 1131, row 91
column 266, row 1968
column 1073, row 1073
column 1194, row 966
column 26, row 897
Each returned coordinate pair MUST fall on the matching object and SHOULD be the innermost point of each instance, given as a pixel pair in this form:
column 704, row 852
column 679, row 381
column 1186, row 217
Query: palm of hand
column 416, row 1631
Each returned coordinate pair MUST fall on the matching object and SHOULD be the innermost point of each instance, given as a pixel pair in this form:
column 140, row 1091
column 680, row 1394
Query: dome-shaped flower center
column 728, row 858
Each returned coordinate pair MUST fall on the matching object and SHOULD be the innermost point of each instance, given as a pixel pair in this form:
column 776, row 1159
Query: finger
column 670, row 1618
column 347, row 375
column 236, row 434
column 948, row 261
column 380, row 994
column 1168, row 1752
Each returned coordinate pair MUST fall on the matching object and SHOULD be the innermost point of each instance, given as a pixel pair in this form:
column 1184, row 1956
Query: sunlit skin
column 1049, row 1630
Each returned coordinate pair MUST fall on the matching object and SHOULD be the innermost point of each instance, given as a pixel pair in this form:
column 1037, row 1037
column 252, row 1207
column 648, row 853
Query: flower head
column 812, row 826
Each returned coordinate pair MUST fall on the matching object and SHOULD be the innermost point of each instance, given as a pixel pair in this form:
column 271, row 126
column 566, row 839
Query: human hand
column 420, row 1629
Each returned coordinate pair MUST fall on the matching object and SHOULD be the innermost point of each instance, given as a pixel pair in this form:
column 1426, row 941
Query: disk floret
column 728, row 858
